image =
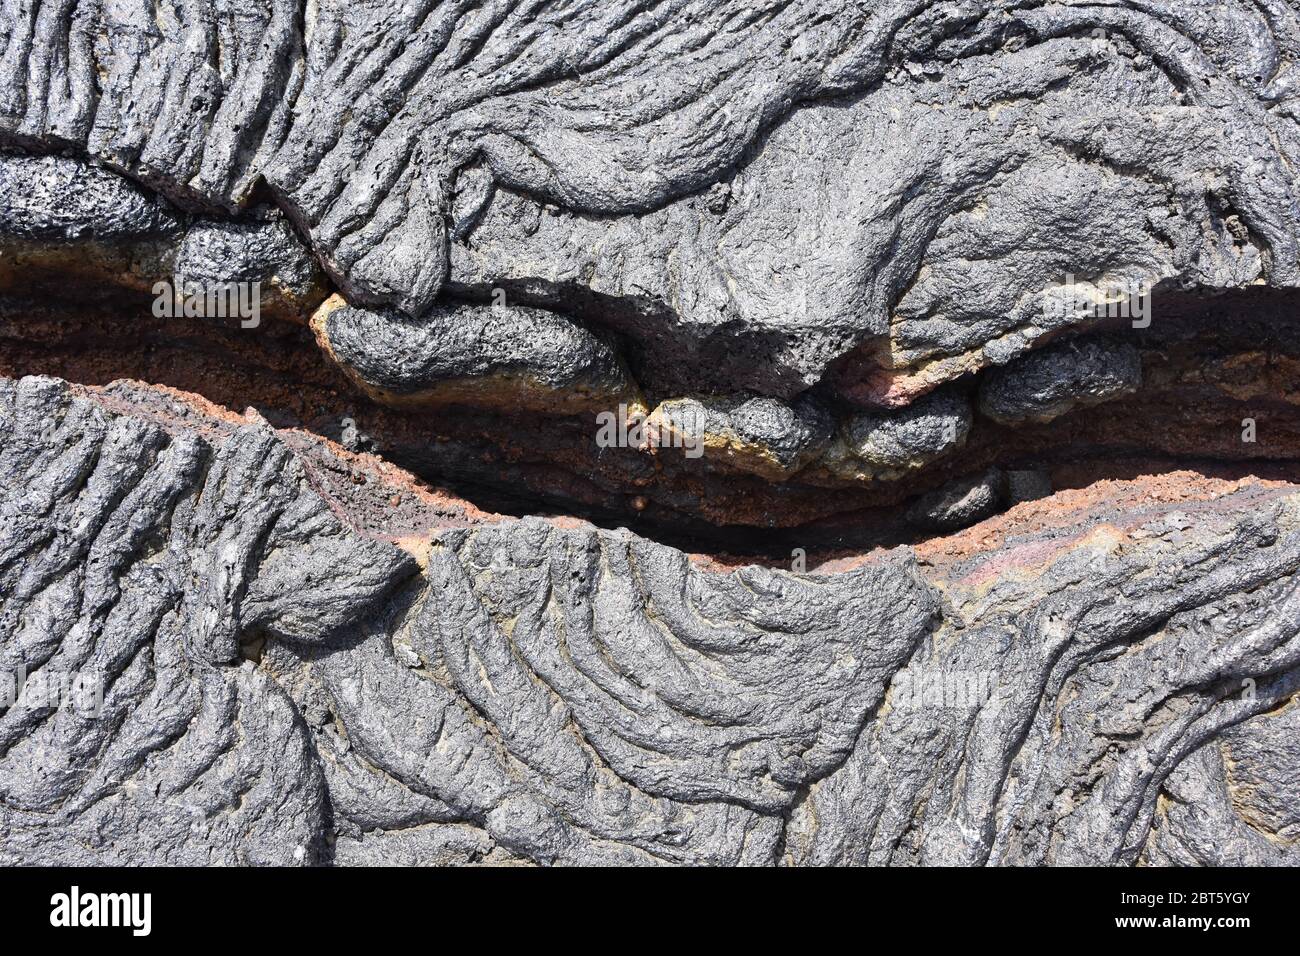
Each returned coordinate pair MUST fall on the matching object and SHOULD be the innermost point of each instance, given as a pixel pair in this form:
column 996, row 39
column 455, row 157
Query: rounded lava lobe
column 911, row 436
column 269, row 251
column 539, row 356
column 788, row 432
column 1046, row 384
column 960, row 503
column 763, row 436
column 56, row 199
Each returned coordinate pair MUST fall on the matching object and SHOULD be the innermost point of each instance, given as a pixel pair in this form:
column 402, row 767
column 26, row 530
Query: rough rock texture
column 892, row 442
column 288, row 681
column 62, row 219
column 51, row 198
column 750, row 191
column 959, row 503
column 1091, row 677
column 1048, row 383
column 503, row 356
column 761, row 436
column 266, row 252
column 792, row 432
column 145, row 557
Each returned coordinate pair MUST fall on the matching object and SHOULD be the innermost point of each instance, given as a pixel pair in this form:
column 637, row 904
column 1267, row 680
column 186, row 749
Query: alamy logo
column 1107, row 299
column 75, row 908
column 212, row 300
column 53, row 689
column 937, row 688
column 626, row 429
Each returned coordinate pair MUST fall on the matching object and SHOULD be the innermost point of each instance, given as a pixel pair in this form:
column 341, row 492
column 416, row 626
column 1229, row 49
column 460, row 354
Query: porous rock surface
column 506, row 356
column 749, row 191
column 294, row 675
column 988, row 305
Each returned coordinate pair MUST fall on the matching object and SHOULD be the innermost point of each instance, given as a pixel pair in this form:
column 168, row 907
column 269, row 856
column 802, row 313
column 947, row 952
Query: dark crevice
column 1209, row 363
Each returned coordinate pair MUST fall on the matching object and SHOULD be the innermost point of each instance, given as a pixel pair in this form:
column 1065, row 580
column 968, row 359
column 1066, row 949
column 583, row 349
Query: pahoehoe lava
column 686, row 432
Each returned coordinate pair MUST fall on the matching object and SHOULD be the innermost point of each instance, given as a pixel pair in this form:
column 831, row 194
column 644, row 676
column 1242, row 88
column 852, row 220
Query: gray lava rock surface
column 750, row 193
column 468, row 352
column 549, row 693
column 820, row 224
column 1047, row 383
column 960, row 503
column 917, row 434
column 55, row 199
column 215, row 252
